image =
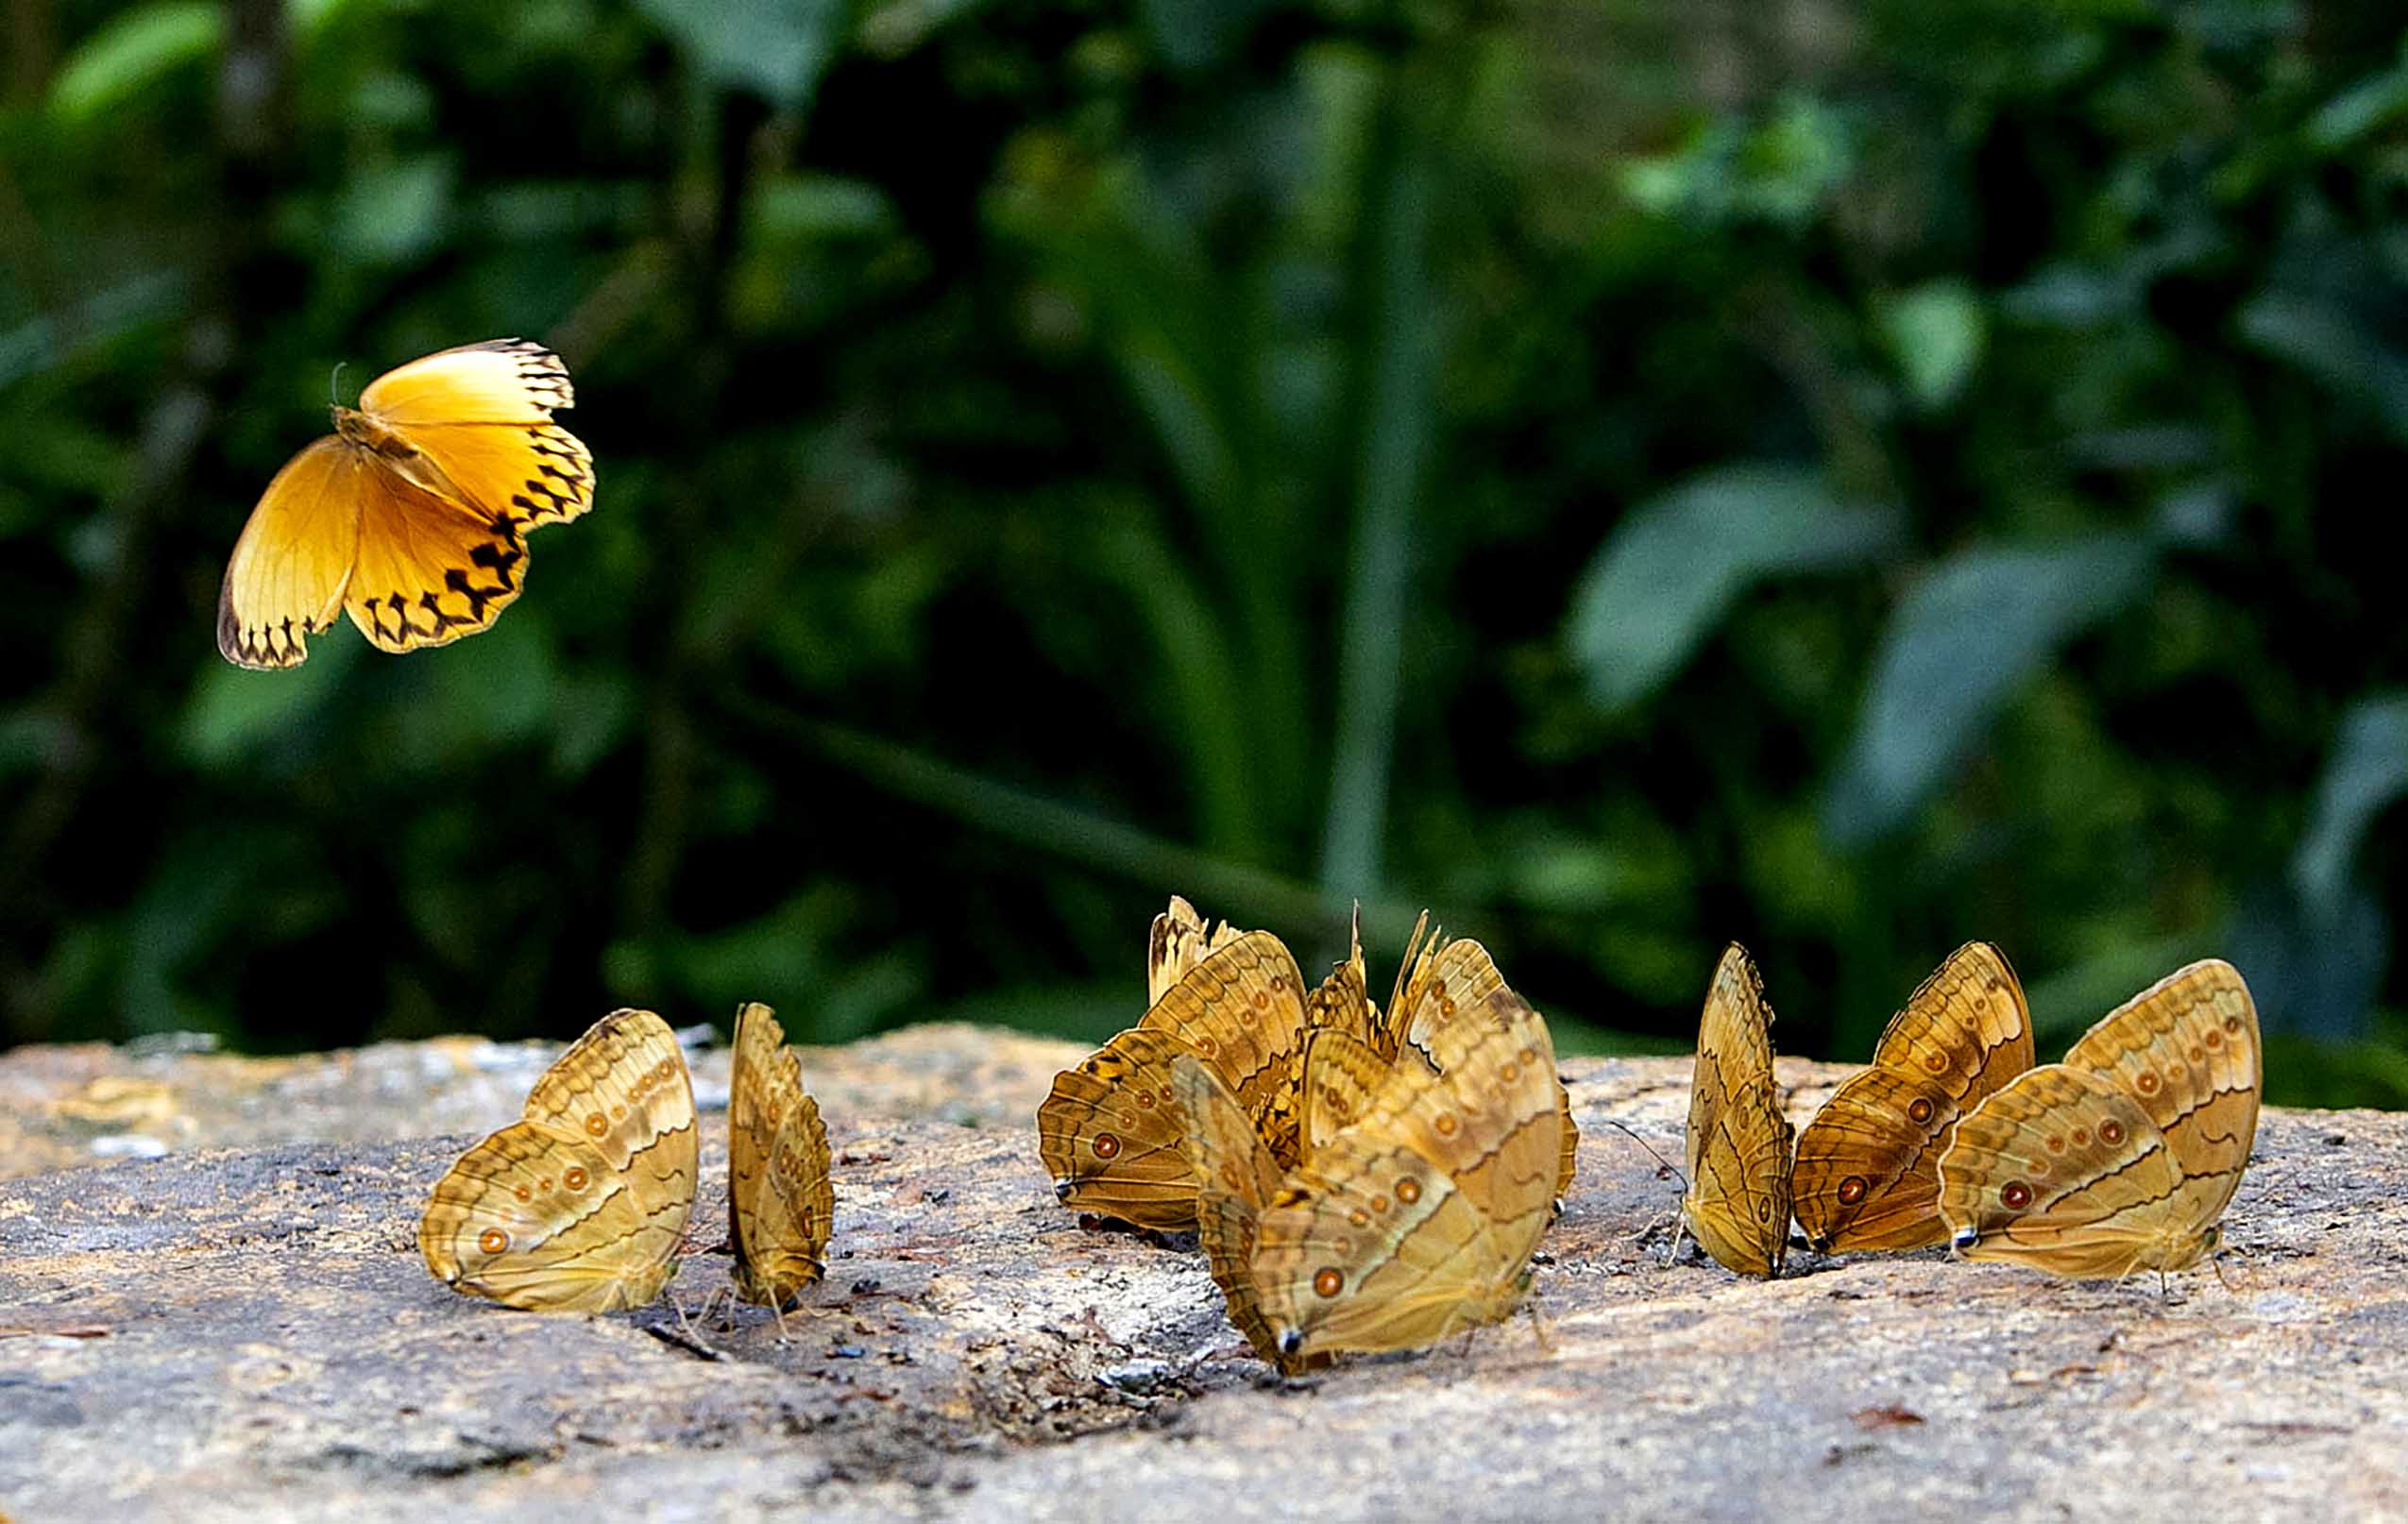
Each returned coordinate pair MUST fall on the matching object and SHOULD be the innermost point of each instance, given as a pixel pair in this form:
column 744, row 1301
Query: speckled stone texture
column 240, row 1328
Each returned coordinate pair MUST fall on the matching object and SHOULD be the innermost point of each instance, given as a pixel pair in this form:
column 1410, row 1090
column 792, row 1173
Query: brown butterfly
column 780, row 1205
column 582, row 1204
column 1439, row 978
column 1109, row 1131
column 1178, row 940
column 2122, row 1157
column 1415, row 1222
column 410, row 516
column 1736, row 1205
column 1866, row 1174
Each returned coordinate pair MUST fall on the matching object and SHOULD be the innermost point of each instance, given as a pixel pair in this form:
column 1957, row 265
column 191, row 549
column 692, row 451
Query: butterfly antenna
column 335, row 385
column 1664, row 1165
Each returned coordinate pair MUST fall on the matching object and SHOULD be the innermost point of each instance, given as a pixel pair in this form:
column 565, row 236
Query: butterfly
column 412, row 515
column 1867, row 1173
column 1178, row 941
column 1109, row 1131
column 2122, row 1157
column 580, row 1205
column 1418, row 1219
column 1736, row 1205
column 779, row 1203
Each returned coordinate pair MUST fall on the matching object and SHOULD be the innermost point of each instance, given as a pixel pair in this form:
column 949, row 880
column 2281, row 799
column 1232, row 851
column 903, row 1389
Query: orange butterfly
column 411, row 516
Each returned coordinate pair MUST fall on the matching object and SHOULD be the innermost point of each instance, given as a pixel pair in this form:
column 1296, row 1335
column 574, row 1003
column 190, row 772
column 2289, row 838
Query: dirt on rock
column 242, row 1327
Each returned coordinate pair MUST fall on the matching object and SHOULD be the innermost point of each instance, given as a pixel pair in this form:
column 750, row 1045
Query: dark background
column 1625, row 474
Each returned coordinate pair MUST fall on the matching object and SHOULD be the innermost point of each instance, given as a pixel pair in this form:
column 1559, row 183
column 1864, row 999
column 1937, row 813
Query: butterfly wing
column 482, row 415
column 1235, row 1178
column 2065, row 1170
column 1737, row 1144
column 2187, row 1049
column 1109, row 1133
column 780, row 1204
column 580, row 1205
column 623, row 1085
column 1342, row 1074
column 1240, row 1010
column 1452, row 978
column 1178, row 940
column 534, row 1217
column 428, row 570
column 1866, row 1174
column 286, row 578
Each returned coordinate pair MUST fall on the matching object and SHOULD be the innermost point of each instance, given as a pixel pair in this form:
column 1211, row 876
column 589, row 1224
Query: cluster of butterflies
column 2120, row 1158
column 1360, row 1179
column 582, row 1204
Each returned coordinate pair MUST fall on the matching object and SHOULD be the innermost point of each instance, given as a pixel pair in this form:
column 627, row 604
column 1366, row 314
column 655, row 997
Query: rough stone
column 241, row 1328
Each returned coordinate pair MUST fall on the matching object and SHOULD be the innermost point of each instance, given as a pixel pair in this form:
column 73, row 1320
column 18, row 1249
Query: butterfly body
column 2122, row 1157
column 411, row 517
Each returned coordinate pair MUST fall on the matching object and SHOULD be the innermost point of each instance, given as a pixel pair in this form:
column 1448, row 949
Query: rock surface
column 241, row 1329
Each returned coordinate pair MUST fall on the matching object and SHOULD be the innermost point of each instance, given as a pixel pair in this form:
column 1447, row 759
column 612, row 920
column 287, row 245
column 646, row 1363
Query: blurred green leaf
column 2340, row 349
column 130, row 53
column 774, row 47
column 1675, row 564
column 231, row 712
column 2366, row 771
column 1936, row 333
column 1968, row 632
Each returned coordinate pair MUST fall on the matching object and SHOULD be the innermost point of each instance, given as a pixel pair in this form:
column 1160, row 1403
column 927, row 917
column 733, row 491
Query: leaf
column 1965, row 638
column 231, row 711
column 1936, row 333
column 125, row 56
column 1675, row 564
column 2366, row 771
column 2340, row 349
column 776, row 48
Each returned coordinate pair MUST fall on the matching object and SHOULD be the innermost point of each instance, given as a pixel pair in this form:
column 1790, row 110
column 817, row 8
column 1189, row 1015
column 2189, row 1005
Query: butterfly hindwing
column 286, row 578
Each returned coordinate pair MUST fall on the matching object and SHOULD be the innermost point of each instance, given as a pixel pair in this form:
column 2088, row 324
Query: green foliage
column 1622, row 476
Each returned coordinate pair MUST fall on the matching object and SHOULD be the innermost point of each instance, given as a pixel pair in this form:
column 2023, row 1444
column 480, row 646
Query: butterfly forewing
column 780, row 1203
column 1738, row 1142
column 1866, row 1174
column 286, row 578
column 2187, row 1049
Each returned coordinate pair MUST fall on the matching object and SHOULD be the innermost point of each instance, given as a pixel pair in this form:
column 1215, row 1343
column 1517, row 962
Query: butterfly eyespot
column 1144, row 1100
column 574, row 1178
column 1438, row 988
column 1328, row 1283
column 1341, row 1244
column 523, row 1194
column 2213, row 1039
column 1443, row 1123
column 1852, row 1190
column 2082, row 1137
column 618, row 1112
column 1446, row 1009
column 1764, row 1211
column 1936, row 1062
column 597, row 1123
column 1509, row 1073
column 1920, row 1111
column 2111, row 1132
column 1408, row 1190
column 2198, row 1056
column 1107, row 1146
column 1279, row 983
column 2176, row 1071
column 544, row 1185
column 2015, row 1196
column 1208, row 1047
column 1359, row 1217
column 2146, row 1082
column 2233, row 1024
column 1380, row 1204
column 493, row 1241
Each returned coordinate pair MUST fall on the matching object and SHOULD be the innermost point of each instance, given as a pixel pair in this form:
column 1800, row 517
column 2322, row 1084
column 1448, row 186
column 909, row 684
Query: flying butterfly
column 1867, row 1173
column 1736, row 1205
column 2122, row 1157
column 779, row 1202
column 411, row 517
column 582, row 1204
